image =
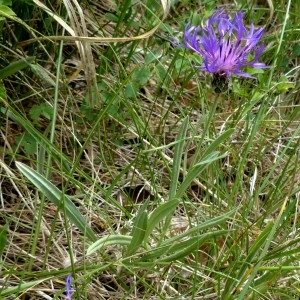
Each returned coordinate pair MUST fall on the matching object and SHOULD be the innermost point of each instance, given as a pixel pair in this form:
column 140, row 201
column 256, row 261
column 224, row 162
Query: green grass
column 121, row 165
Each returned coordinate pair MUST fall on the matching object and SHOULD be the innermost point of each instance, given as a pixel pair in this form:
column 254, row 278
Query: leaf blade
column 55, row 196
column 109, row 240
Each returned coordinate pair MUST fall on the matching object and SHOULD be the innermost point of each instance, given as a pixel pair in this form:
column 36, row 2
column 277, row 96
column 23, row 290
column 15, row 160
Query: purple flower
column 69, row 288
column 225, row 44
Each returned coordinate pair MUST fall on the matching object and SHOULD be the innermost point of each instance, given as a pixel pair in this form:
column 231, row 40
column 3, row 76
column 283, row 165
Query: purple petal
column 69, row 288
column 225, row 44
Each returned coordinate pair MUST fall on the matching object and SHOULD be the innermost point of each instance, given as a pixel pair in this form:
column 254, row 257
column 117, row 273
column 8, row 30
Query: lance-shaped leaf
column 55, row 196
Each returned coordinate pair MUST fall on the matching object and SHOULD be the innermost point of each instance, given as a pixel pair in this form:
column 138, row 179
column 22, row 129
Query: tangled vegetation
column 128, row 173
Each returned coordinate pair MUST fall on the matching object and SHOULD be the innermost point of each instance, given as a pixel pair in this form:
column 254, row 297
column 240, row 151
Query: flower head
column 69, row 288
column 225, row 44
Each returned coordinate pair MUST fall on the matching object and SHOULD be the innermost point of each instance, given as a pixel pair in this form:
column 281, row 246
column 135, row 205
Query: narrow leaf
column 196, row 170
column 207, row 224
column 139, row 229
column 161, row 212
column 3, row 95
column 42, row 73
column 56, row 196
column 259, row 241
column 109, row 240
column 15, row 67
column 185, row 248
column 220, row 139
column 3, row 234
column 39, row 137
column 178, row 249
column 6, row 11
column 177, row 158
column 247, row 267
column 19, row 288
